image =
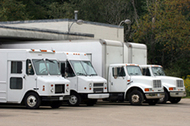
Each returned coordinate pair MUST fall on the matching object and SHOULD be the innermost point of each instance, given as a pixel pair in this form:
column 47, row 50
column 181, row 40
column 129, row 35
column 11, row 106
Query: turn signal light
column 146, row 89
column 171, row 88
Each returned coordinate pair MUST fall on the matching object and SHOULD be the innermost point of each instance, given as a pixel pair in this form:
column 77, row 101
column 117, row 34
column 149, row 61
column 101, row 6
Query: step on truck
column 31, row 77
column 102, row 53
column 86, row 86
column 173, row 87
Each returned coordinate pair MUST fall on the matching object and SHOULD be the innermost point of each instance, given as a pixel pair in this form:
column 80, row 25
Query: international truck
column 173, row 87
column 31, row 77
column 107, row 57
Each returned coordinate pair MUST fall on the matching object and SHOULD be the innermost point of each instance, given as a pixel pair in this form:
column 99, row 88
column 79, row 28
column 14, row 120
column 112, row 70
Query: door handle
column 111, row 83
column 24, row 77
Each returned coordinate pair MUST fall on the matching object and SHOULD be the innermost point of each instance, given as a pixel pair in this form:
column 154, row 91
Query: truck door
column 118, row 80
column 15, row 81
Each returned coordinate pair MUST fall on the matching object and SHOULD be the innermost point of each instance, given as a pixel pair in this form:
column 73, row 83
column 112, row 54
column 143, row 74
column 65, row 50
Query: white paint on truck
column 174, row 87
column 31, row 77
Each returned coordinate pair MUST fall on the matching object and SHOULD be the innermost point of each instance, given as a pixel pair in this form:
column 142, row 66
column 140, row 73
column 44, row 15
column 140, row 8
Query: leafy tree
column 165, row 31
column 12, row 10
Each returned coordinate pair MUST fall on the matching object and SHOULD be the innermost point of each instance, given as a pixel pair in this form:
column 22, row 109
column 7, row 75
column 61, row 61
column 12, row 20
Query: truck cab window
column 69, row 70
column 134, row 70
column 29, row 67
column 118, row 72
column 145, row 71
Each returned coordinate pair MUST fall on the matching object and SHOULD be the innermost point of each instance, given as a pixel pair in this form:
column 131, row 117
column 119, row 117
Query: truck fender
column 131, row 88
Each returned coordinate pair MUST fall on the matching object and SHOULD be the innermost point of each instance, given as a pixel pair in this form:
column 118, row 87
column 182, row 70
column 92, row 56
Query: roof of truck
column 150, row 65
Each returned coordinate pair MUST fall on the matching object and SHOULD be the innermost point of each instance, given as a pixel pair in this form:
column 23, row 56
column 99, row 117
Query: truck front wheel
column 32, row 100
column 175, row 100
column 136, row 97
column 74, row 100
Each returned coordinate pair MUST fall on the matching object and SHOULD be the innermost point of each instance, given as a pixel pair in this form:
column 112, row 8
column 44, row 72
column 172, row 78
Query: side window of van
column 29, row 67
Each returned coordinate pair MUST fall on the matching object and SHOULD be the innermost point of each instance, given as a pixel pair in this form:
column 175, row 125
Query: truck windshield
column 43, row 67
column 83, row 68
column 133, row 70
column 52, row 66
column 158, row 71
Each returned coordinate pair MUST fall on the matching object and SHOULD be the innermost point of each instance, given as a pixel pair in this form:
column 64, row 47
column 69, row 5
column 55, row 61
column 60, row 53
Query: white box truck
column 31, row 77
column 108, row 57
column 173, row 87
column 86, row 85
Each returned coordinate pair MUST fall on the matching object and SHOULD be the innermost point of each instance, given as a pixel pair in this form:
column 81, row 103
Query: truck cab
column 173, row 87
column 86, row 85
column 127, row 83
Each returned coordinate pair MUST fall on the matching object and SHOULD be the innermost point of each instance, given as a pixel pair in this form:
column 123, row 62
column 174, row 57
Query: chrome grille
column 157, row 84
column 59, row 88
column 97, row 90
column 98, row 87
column 98, row 84
column 179, row 83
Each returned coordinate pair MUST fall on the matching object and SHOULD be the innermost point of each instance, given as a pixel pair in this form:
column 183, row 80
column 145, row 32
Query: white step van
column 31, row 77
column 86, row 85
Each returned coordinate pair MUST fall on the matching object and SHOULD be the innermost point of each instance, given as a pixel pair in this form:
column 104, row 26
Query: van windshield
column 43, row 67
column 83, row 68
column 134, row 70
column 158, row 71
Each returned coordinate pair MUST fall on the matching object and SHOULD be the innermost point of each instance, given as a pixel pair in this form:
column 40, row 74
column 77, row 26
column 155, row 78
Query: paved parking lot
column 102, row 114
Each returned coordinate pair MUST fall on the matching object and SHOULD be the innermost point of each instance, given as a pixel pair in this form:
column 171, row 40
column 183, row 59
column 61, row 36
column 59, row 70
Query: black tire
column 74, row 99
column 136, row 97
column 32, row 100
column 165, row 98
column 153, row 102
column 175, row 100
column 56, row 104
column 91, row 102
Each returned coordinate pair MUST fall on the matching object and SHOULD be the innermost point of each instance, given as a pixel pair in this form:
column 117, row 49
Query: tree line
column 163, row 25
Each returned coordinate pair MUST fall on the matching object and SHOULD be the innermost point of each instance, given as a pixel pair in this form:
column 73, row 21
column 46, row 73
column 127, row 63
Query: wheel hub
column 31, row 101
column 135, row 98
column 73, row 100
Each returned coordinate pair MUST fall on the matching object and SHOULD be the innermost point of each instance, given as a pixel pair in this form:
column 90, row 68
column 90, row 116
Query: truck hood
column 53, row 80
column 145, row 80
column 169, row 81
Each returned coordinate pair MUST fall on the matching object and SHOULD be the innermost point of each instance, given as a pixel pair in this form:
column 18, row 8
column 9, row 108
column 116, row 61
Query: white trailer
column 31, row 77
column 107, row 57
column 173, row 87
column 86, row 85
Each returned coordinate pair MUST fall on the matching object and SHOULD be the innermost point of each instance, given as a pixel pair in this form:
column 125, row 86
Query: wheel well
column 166, row 91
column 26, row 94
column 132, row 89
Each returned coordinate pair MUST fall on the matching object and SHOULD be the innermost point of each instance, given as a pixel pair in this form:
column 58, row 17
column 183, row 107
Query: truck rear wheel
column 175, row 100
column 165, row 98
column 153, row 102
column 91, row 102
column 32, row 100
column 74, row 100
column 136, row 97
column 56, row 104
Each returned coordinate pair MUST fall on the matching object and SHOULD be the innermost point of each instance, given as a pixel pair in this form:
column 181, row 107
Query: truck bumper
column 98, row 96
column 178, row 94
column 53, row 98
column 155, row 95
